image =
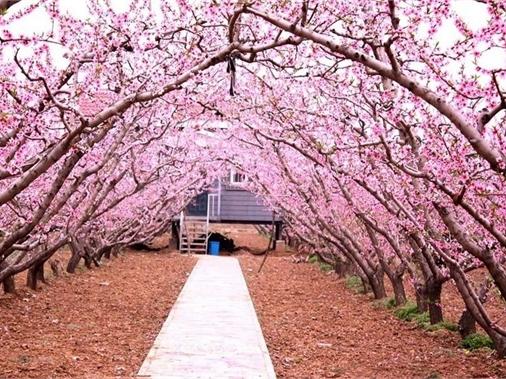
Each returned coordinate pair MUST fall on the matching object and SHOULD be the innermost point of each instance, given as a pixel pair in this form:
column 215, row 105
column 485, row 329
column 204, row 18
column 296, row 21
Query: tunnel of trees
column 375, row 128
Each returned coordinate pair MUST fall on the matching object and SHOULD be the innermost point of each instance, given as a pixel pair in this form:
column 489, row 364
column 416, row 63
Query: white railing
column 187, row 225
column 181, row 223
column 193, row 233
column 213, row 206
column 219, row 198
column 182, row 226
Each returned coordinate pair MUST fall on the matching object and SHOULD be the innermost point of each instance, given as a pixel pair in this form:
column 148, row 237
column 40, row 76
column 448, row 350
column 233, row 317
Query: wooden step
column 201, row 241
column 192, row 243
column 194, row 234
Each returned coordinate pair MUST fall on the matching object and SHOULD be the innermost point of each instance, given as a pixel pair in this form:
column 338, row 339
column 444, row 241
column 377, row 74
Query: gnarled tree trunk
column 399, row 290
column 35, row 274
column 434, row 288
column 9, row 285
column 73, row 261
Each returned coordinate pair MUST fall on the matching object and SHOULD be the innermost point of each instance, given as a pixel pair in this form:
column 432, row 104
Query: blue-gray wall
column 240, row 205
column 237, row 204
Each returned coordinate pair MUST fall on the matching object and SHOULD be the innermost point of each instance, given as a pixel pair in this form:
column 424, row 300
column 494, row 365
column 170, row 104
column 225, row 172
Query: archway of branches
column 379, row 141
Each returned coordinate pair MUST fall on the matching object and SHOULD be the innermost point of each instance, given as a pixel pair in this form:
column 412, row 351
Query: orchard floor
column 93, row 324
column 102, row 323
column 316, row 328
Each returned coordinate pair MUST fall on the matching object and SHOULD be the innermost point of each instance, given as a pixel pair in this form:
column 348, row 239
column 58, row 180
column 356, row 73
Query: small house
column 227, row 201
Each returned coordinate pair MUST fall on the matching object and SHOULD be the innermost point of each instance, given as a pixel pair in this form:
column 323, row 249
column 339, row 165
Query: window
column 237, row 178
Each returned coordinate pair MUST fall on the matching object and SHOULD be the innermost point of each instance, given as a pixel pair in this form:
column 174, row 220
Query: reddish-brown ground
column 101, row 323
column 94, row 324
column 316, row 328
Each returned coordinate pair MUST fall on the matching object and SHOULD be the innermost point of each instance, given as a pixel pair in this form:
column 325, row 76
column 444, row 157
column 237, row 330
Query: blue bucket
column 214, row 247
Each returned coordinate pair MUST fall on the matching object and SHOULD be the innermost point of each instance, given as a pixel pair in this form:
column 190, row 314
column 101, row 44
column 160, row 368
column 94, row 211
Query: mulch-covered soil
column 316, row 328
column 93, row 324
column 101, row 323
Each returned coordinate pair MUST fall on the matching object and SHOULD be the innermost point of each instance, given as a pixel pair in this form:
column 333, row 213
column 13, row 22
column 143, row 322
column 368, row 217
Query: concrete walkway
column 212, row 330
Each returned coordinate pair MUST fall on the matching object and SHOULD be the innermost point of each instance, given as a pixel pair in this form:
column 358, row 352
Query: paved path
column 212, row 330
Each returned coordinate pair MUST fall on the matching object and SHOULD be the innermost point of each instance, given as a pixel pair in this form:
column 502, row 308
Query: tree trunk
column 475, row 307
column 115, row 251
column 87, row 261
column 373, row 282
column 378, row 285
column 500, row 345
column 382, row 267
column 107, row 253
column 40, row 273
column 399, row 290
column 9, row 285
column 35, row 273
column 73, row 262
column 422, row 301
column 95, row 261
column 497, row 271
column 56, row 267
column 365, row 281
column 467, row 324
column 343, row 267
column 495, row 268
column 434, row 295
column 175, row 233
column 31, row 279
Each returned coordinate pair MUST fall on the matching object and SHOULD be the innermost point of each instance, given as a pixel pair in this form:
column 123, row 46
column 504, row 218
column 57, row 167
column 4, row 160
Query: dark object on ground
column 250, row 250
column 146, row 247
column 226, row 244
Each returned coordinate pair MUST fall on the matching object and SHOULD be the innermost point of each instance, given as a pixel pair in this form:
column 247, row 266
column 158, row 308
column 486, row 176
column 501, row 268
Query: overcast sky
column 472, row 12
